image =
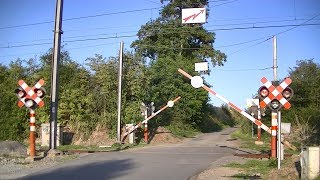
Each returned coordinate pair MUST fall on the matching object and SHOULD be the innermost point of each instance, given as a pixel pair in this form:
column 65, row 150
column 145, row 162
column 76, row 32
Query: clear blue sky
column 237, row 81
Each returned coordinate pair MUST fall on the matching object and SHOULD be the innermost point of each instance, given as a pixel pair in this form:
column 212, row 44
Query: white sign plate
column 203, row 66
column 193, row 15
column 252, row 102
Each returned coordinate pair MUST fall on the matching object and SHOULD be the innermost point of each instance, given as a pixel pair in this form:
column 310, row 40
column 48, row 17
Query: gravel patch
column 13, row 148
column 17, row 167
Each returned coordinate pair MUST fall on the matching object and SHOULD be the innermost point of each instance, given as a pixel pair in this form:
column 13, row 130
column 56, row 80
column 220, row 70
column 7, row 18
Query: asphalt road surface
column 165, row 162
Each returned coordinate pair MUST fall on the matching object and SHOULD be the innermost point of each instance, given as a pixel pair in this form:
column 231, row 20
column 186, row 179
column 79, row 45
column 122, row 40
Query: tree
column 305, row 110
column 168, row 36
column 14, row 121
column 168, row 45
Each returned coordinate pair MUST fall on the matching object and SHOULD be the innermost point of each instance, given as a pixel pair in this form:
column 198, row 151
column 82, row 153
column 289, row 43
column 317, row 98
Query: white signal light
column 29, row 103
column 275, row 104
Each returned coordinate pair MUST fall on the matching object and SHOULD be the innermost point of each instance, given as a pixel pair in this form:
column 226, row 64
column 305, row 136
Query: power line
column 241, row 43
column 224, row 3
column 25, row 25
column 264, row 27
column 207, row 25
column 167, row 32
column 23, row 45
column 101, row 38
column 98, row 15
column 78, row 18
column 217, row 29
column 254, row 69
column 259, row 22
column 108, row 14
column 302, row 24
column 239, row 50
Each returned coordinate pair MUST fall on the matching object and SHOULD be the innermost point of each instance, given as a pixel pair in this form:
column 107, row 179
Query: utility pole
column 278, row 113
column 275, row 66
column 274, row 114
column 119, row 91
column 55, row 76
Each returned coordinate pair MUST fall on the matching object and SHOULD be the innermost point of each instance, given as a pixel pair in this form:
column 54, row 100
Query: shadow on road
column 97, row 170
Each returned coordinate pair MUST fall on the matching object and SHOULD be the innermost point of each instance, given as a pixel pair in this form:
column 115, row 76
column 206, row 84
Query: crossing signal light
column 29, row 103
column 40, row 92
column 263, row 92
column 287, row 93
column 275, row 104
column 20, row 93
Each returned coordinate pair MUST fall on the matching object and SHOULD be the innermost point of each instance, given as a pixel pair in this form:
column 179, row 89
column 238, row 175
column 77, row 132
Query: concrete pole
column 55, row 75
column 275, row 66
column 119, row 91
column 274, row 114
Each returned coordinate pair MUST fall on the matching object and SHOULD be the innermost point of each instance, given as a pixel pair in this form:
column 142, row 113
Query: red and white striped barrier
column 257, row 122
column 169, row 104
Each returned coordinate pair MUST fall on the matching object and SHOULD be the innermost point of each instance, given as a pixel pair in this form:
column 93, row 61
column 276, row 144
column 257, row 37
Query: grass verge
column 263, row 168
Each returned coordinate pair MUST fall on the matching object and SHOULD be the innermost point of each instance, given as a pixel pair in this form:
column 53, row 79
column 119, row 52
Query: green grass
column 249, row 143
column 254, row 167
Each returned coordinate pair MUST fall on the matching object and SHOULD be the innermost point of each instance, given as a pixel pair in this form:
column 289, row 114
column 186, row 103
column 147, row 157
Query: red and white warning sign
column 30, row 96
column 193, row 15
column 275, row 92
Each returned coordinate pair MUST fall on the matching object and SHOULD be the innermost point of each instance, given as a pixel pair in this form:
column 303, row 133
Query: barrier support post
column 32, row 138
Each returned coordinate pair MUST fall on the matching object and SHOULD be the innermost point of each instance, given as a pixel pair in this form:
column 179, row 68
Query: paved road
column 178, row 161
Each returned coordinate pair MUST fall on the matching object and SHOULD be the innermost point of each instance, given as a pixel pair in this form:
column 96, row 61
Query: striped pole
column 259, row 127
column 146, row 132
column 274, row 126
column 169, row 104
column 32, row 138
column 255, row 121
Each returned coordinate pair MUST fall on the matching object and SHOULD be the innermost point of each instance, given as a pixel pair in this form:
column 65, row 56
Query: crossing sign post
column 275, row 97
column 31, row 98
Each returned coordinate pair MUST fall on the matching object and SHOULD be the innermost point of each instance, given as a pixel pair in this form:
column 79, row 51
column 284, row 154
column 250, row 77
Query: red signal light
column 263, row 92
column 287, row 93
column 20, row 93
column 40, row 92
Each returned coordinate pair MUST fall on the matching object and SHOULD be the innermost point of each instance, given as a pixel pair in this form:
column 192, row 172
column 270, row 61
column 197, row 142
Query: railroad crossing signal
column 275, row 97
column 31, row 97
